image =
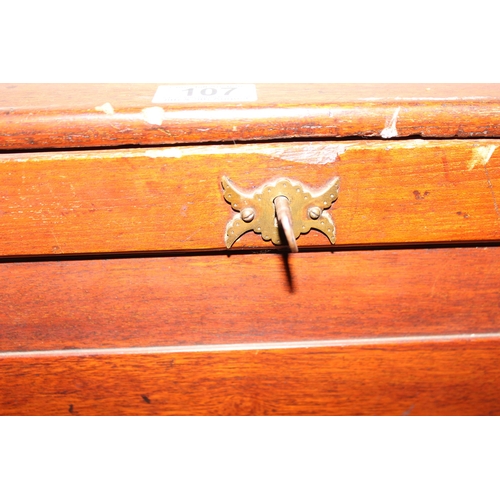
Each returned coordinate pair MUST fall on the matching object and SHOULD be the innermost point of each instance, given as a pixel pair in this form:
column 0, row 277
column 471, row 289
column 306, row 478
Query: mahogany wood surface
column 227, row 299
column 446, row 377
column 38, row 116
column 171, row 199
column 196, row 329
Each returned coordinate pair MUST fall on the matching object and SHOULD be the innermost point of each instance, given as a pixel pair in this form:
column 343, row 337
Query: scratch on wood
column 56, row 249
column 390, row 126
column 192, row 234
column 437, row 279
column 466, row 98
column 309, row 153
column 490, row 185
column 409, row 410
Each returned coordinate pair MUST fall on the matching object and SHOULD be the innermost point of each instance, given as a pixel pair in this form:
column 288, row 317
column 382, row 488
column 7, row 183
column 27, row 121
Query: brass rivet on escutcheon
column 247, row 214
column 314, row 212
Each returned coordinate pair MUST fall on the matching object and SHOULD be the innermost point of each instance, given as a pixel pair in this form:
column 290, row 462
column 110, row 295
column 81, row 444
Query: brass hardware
column 284, row 216
column 283, row 204
column 247, row 214
column 314, row 212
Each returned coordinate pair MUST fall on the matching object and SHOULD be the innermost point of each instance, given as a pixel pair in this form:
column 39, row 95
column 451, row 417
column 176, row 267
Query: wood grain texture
column 459, row 377
column 217, row 299
column 171, row 198
column 41, row 116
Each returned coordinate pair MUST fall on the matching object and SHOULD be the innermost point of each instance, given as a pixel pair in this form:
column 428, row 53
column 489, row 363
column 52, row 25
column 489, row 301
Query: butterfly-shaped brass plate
column 257, row 211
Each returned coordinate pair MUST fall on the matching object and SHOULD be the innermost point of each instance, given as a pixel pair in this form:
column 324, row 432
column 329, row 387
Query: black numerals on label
column 209, row 91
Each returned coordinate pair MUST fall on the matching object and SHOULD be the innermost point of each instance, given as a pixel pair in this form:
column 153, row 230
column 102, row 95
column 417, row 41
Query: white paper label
column 206, row 93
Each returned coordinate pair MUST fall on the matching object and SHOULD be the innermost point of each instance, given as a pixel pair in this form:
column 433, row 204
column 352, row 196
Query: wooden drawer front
column 170, row 199
column 454, row 377
column 217, row 299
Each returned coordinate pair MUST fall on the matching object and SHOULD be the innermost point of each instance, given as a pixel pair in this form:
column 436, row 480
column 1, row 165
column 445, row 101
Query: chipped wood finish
column 39, row 116
column 217, row 299
column 171, row 199
column 441, row 377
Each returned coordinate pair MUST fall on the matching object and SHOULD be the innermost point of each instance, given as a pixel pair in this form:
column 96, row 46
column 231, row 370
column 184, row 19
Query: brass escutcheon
column 257, row 210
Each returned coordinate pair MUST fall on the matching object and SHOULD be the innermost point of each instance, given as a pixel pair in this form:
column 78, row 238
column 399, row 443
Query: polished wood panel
column 331, row 330
column 41, row 116
column 171, row 198
column 454, row 377
column 222, row 299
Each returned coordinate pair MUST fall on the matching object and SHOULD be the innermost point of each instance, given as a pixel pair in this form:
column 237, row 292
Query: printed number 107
column 209, row 91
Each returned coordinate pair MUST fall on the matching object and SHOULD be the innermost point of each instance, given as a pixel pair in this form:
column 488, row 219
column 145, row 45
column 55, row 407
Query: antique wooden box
column 133, row 283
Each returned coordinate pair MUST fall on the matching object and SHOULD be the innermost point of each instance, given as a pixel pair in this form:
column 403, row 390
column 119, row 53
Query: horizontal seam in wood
column 318, row 344
column 243, row 142
column 155, row 254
